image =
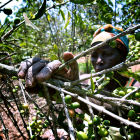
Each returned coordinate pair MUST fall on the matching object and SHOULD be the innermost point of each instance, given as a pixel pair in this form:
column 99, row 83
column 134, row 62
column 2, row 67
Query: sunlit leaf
column 68, row 20
column 59, row 1
column 48, row 16
column 55, row 47
column 22, row 44
column 92, row 84
column 28, row 22
column 62, row 14
column 10, row 48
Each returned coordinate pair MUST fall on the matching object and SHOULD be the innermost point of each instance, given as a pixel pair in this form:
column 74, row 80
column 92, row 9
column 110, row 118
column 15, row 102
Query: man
column 110, row 54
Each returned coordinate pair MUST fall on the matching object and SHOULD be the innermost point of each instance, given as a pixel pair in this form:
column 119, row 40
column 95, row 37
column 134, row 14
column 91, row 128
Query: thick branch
column 10, row 70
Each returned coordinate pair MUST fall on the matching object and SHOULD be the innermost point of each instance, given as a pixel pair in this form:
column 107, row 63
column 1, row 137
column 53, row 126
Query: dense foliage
column 48, row 28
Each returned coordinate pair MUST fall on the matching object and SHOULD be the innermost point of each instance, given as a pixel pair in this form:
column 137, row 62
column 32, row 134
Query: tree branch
column 10, row 70
column 97, row 107
column 117, row 67
column 5, row 3
column 70, row 125
column 104, row 98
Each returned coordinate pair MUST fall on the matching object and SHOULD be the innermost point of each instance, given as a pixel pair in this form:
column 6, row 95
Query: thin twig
column 5, row 36
column 116, row 67
column 46, row 117
column 22, row 90
column 123, row 126
column 127, row 95
column 82, row 92
column 47, row 97
column 13, row 119
column 104, row 98
column 5, row 3
column 7, row 43
column 113, row 103
column 5, row 130
column 119, row 111
column 8, row 55
column 70, row 125
column 5, row 29
column 3, row 97
column 92, row 116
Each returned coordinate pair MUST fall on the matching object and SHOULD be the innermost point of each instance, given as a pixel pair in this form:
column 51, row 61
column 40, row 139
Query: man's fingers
column 54, row 65
column 30, row 79
column 73, row 72
column 48, row 70
column 67, row 56
column 44, row 74
column 33, row 71
column 25, row 65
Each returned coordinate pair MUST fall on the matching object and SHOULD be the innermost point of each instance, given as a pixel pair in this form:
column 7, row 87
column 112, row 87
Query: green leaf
column 41, row 11
column 10, row 48
column 59, row 1
column 110, row 2
column 68, row 20
column 62, row 14
column 75, row 17
column 129, row 73
column 22, row 44
column 92, row 84
column 55, row 47
column 48, row 16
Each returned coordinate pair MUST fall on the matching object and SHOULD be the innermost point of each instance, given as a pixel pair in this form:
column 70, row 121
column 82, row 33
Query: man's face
column 105, row 57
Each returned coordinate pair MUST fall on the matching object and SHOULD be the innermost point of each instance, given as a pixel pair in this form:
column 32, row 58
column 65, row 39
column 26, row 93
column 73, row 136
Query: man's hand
column 35, row 70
